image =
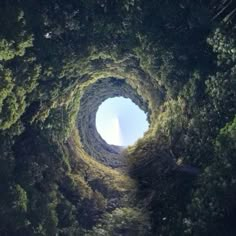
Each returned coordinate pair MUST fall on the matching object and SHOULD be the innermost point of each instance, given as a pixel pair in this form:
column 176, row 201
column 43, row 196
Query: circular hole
column 120, row 122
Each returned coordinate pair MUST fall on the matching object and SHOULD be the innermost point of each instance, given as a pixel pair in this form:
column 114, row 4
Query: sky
column 120, row 122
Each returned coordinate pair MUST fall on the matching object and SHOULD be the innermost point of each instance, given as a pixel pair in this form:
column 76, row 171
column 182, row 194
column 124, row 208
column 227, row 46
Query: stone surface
column 94, row 95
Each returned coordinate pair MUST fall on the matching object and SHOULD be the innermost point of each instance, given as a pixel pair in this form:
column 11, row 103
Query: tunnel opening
column 132, row 109
column 121, row 122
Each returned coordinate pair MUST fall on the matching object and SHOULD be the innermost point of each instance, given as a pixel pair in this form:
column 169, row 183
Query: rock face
column 92, row 98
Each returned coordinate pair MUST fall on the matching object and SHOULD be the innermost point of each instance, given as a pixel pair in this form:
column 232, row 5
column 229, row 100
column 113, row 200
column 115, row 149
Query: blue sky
column 120, row 122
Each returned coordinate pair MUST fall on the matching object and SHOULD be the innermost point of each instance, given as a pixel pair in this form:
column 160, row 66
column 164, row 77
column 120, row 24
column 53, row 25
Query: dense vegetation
column 179, row 56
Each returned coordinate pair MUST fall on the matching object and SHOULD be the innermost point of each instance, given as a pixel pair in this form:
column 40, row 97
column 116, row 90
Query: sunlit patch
column 120, row 122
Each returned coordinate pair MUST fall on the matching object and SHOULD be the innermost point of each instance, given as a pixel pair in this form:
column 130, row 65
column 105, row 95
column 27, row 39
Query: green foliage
column 13, row 42
column 21, row 199
column 212, row 206
column 14, row 206
column 6, row 85
column 224, row 45
column 179, row 56
column 182, row 143
column 13, row 93
column 9, row 50
column 122, row 221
